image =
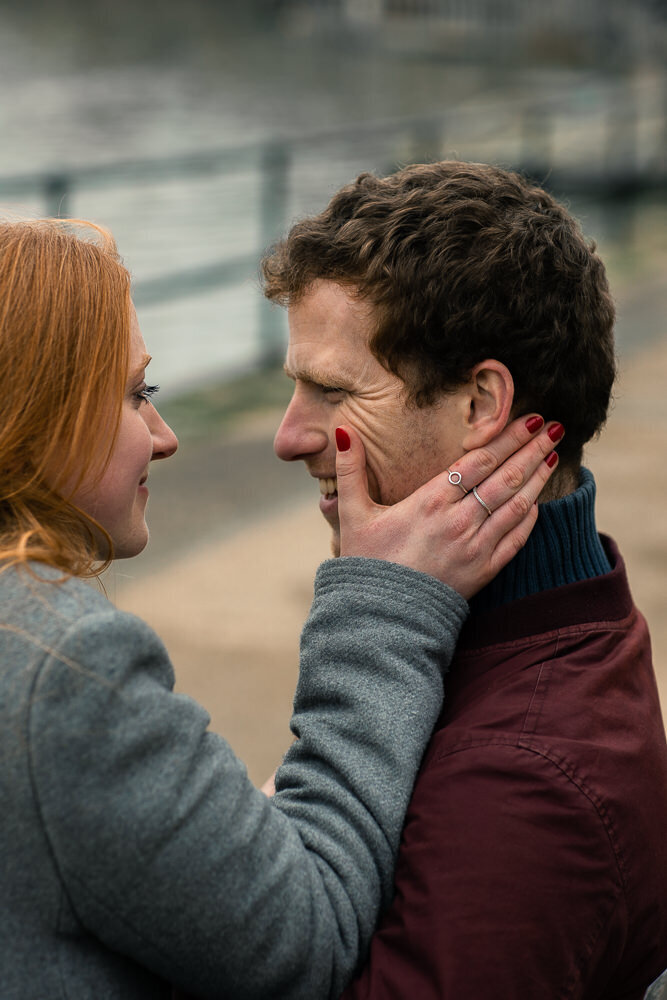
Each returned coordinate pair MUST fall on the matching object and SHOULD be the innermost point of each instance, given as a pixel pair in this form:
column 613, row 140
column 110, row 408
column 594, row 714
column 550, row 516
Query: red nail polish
column 342, row 439
column 551, row 459
column 533, row 424
column 556, row 432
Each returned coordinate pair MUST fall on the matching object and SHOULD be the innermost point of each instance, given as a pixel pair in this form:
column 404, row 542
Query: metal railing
column 624, row 137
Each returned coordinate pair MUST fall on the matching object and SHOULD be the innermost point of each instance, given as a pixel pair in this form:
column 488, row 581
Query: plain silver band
column 456, row 482
column 478, row 497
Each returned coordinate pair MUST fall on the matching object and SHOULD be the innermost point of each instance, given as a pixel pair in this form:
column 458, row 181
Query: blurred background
column 198, row 130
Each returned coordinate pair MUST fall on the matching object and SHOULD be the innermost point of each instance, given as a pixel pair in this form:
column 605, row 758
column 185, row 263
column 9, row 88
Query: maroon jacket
column 534, row 853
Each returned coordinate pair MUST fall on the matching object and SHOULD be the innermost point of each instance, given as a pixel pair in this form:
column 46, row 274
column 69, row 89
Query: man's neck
column 562, row 482
column 563, row 548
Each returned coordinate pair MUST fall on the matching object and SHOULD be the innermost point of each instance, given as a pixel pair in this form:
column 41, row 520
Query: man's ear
column 490, row 393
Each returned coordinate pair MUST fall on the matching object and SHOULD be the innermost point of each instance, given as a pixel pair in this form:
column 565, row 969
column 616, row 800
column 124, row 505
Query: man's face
column 339, row 381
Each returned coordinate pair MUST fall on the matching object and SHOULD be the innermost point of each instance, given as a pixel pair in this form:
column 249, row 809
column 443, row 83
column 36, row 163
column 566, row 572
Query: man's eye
column 329, row 390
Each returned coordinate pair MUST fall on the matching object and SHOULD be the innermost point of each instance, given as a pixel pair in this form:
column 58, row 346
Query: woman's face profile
column 118, row 500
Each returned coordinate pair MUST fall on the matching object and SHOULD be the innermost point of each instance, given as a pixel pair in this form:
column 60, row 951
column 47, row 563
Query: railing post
column 622, row 134
column 427, row 141
column 274, row 166
column 56, row 194
column 536, row 139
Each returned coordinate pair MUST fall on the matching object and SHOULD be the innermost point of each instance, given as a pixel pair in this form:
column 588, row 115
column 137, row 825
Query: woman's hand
column 442, row 528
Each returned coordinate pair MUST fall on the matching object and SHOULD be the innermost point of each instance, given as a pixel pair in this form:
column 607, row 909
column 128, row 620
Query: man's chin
column 334, row 543
column 330, row 513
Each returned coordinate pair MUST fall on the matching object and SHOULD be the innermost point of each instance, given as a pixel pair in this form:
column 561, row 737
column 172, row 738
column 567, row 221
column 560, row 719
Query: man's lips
column 329, row 498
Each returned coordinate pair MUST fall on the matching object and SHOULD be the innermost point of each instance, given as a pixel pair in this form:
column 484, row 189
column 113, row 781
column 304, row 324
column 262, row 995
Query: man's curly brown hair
column 463, row 262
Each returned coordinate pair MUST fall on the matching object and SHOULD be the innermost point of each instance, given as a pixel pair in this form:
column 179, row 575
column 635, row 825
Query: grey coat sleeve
column 166, row 850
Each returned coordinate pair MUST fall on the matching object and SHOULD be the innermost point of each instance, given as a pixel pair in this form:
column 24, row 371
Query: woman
column 135, row 852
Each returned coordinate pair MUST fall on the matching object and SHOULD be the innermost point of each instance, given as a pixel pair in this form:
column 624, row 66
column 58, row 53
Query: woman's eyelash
column 147, row 391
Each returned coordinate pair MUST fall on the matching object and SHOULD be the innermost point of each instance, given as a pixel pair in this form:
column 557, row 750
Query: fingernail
column 342, row 439
column 556, row 432
column 551, row 459
column 533, row 424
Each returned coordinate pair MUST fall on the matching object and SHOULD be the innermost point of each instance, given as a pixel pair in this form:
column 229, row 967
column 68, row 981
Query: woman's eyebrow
column 140, row 368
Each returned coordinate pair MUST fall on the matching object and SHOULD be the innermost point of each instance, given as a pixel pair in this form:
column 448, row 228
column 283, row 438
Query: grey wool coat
column 134, row 851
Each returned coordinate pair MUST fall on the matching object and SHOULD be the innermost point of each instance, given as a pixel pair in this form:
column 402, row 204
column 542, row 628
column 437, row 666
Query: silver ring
column 455, row 480
column 478, row 498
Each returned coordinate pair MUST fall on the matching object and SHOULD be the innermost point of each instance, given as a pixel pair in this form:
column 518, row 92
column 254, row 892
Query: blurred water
column 62, row 108
column 59, row 110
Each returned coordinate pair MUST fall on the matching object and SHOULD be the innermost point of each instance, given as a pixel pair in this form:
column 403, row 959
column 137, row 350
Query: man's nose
column 300, row 434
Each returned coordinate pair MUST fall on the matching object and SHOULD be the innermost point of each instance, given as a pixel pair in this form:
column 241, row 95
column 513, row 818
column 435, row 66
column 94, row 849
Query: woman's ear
column 490, row 401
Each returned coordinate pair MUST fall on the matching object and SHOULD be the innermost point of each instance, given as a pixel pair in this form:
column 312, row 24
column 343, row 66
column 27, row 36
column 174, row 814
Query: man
column 426, row 310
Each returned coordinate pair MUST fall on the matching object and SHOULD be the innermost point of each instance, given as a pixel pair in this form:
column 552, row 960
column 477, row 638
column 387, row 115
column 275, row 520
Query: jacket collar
column 601, row 598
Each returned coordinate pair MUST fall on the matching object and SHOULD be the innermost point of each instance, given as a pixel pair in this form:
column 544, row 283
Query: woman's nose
column 165, row 441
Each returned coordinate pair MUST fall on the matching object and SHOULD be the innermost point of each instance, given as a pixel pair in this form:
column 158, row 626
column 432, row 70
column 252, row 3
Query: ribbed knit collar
column 564, row 547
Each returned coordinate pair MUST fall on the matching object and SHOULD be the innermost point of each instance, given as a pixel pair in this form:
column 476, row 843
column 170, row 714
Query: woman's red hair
column 64, row 355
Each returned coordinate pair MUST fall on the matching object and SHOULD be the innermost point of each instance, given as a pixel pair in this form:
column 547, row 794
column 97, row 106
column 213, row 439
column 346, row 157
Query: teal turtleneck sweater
column 564, row 547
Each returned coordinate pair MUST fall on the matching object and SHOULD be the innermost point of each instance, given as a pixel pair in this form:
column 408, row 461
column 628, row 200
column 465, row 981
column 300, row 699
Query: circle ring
column 455, row 480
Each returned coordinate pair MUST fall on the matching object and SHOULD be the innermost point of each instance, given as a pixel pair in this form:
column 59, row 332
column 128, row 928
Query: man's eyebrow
column 140, row 368
column 317, row 376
